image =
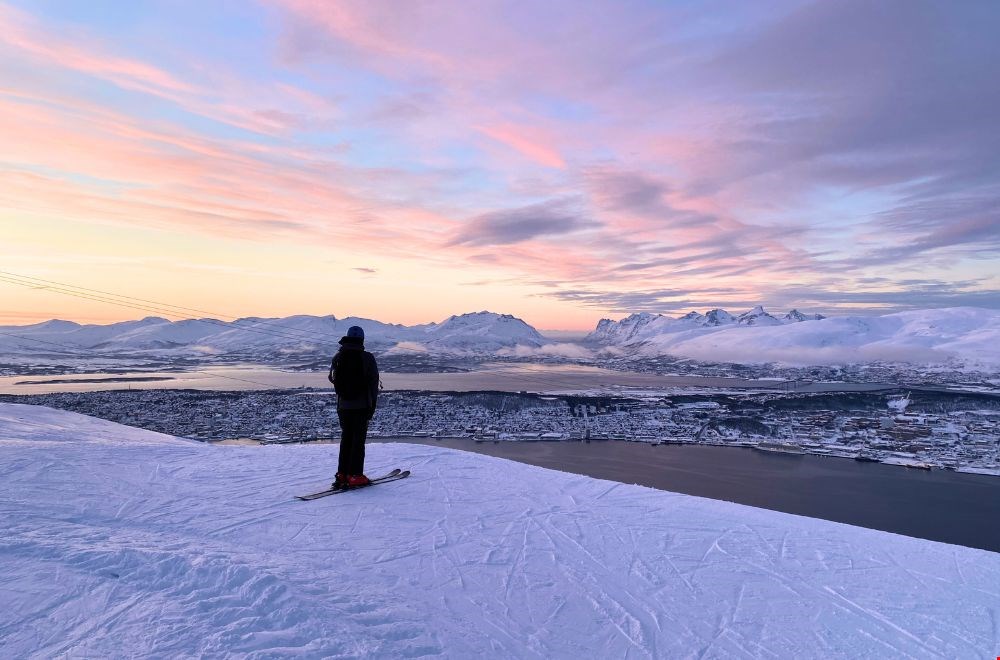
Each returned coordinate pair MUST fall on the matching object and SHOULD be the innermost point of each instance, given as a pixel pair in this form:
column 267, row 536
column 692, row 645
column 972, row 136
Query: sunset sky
column 560, row 161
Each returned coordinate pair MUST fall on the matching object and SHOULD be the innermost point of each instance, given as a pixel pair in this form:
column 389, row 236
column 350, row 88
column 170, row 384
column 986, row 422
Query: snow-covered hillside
column 118, row 543
column 968, row 335
column 965, row 335
column 480, row 332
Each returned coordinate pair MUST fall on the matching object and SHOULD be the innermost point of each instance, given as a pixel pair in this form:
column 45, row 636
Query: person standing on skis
column 354, row 374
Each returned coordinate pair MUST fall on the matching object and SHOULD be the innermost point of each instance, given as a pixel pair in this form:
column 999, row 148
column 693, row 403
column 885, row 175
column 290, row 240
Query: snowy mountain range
column 969, row 335
column 642, row 326
column 476, row 332
column 966, row 335
column 121, row 542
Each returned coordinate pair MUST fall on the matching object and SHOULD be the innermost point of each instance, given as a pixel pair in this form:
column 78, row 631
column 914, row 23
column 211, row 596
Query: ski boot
column 356, row 480
column 339, row 481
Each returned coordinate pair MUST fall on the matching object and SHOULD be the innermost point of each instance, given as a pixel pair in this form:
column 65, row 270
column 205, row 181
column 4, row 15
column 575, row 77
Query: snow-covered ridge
column 641, row 326
column 968, row 335
column 482, row 331
column 964, row 336
column 139, row 548
column 475, row 332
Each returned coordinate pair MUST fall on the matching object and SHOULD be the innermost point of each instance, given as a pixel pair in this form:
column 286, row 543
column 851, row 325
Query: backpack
column 349, row 380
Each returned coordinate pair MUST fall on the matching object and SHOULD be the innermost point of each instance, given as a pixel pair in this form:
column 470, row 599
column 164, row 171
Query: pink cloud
column 25, row 38
column 596, row 108
column 166, row 177
column 525, row 141
column 178, row 179
column 18, row 30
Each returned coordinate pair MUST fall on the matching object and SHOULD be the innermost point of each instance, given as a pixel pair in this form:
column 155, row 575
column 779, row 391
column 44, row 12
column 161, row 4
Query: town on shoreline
column 920, row 429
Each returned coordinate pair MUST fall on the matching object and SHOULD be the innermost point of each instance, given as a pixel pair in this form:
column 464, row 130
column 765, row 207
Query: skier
column 354, row 374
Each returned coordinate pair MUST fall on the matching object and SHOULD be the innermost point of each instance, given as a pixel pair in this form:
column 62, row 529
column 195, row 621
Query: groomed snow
column 116, row 542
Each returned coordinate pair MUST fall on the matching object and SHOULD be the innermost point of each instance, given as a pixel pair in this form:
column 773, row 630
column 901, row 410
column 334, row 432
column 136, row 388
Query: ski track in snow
column 116, row 542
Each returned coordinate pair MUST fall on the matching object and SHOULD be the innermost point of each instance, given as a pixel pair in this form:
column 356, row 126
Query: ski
column 391, row 476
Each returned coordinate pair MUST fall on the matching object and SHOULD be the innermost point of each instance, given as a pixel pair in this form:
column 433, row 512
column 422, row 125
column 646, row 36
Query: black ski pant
column 353, row 429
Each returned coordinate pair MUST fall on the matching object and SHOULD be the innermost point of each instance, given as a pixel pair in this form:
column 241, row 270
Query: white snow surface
column 116, row 542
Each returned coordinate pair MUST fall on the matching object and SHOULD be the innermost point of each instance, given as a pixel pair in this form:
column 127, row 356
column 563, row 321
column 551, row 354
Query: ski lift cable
column 80, row 352
column 111, row 298
column 76, row 350
column 82, row 288
column 166, row 308
column 40, row 341
column 222, row 324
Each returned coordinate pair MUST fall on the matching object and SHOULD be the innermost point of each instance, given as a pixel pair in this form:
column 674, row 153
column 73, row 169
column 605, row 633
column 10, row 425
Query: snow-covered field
column 118, row 542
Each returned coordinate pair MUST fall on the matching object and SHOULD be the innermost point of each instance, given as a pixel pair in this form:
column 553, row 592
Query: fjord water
column 500, row 377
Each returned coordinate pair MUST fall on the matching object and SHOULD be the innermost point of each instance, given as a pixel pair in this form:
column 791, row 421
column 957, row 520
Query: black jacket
column 369, row 399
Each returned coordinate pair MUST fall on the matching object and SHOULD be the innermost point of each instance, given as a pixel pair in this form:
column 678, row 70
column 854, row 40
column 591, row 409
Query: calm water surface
column 501, row 377
column 938, row 504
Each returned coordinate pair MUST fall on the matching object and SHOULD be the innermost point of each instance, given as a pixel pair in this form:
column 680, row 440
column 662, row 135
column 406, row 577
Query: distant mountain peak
column 757, row 316
column 484, row 314
column 718, row 316
column 54, row 324
column 795, row 316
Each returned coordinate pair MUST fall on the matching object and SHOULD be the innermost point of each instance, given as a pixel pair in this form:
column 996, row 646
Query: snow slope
column 116, row 542
column 482, row 331
column 969, row 335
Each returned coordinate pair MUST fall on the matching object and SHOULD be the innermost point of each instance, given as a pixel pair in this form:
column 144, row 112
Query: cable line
column 41, row 341
column 110, row 298
column 80, row 352
column 83, row 288
column 146, row 305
